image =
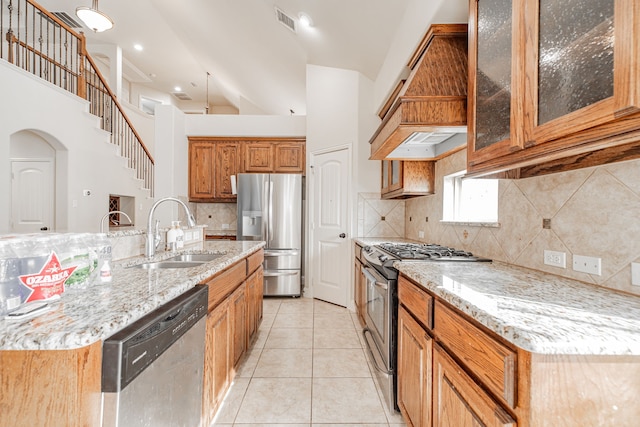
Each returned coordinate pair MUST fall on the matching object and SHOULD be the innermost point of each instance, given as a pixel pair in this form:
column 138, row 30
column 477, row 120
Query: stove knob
column 383, row 258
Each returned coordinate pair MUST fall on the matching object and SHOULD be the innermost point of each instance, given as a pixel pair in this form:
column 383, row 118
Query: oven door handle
column 371, row 278
column 375, row 359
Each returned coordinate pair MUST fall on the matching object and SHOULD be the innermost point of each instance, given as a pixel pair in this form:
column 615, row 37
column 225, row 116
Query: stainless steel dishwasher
column 152, row 370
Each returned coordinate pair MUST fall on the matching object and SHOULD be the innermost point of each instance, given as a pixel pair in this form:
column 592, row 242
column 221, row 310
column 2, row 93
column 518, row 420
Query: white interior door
column 330, row 227
column 32, row 196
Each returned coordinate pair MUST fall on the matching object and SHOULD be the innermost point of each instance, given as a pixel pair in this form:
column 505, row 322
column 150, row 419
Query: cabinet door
column 239, row 323
column 227, row 163
column 289, row 158
column 415, row 349
column 494, row 75
column 384, row 187
column 458, row 401
column 217, row 364
column 254, row 295
column 582, row 73
column 258, row 157
column 201, row 167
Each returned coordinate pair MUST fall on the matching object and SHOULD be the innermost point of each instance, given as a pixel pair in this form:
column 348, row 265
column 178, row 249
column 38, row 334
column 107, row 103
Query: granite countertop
column 83, row 316
column 536, row 311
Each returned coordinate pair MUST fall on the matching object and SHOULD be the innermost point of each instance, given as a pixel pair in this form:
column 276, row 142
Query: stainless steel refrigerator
column 270, row 209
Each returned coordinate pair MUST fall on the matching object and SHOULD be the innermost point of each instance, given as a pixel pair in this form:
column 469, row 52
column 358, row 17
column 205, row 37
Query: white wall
column 84, row 157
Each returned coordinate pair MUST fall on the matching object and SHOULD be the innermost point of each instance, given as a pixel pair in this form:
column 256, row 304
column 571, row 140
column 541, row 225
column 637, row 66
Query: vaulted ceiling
column 256, row 64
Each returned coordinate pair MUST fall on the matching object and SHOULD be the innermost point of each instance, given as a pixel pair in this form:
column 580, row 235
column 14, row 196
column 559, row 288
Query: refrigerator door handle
column 265, row 210
column 292, row 252
column 276, row 273
column 270, row 230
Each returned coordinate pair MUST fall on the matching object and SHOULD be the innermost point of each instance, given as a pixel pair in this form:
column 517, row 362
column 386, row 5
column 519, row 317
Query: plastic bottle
column 10, row 292
column 105, row 272
column 179, row 236
column 172, row 235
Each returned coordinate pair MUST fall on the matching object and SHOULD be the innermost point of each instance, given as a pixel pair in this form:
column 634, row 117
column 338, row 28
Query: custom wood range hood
column 426, row 116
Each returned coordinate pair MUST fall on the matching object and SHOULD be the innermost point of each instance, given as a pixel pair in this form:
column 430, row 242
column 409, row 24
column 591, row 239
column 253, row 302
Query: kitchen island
column 50, row 364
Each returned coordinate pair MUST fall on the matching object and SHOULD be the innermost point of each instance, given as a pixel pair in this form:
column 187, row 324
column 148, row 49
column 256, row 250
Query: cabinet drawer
column 254, row 261
column 485, row 358
column 226, row 282
column 417, row 301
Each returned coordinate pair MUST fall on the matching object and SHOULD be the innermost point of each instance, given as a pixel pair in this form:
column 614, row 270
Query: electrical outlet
column 555, row 259
column 421, row 234
column 635, row 273
column 587, row 264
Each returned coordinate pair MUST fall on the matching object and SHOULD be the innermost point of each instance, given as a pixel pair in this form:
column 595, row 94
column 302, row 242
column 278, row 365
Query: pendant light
column 93, row 18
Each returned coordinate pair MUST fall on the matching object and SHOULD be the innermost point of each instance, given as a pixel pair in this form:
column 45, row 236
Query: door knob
column 342, row 235
column 44, row 228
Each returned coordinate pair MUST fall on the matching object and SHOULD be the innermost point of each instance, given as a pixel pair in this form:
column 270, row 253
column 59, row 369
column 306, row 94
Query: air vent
column 285, row 19
column 64, row 17
column 181, row 96
column 428, row 138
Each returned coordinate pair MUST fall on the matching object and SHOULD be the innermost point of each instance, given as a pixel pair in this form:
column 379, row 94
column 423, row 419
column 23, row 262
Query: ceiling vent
column 64, row 17
column 181, row 96
column 285, row 19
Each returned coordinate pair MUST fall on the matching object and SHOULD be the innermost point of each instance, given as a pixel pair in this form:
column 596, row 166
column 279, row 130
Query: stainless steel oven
column 380, row 332
column 381, row 314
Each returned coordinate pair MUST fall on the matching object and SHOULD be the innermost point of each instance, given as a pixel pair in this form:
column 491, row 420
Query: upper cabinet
column 401, row 179
column 274, row 156
column 553, row 85
column 214, row 160
column 426, row 116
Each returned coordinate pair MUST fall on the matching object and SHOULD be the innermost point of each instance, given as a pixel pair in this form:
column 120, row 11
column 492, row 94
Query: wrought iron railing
column 41, row 43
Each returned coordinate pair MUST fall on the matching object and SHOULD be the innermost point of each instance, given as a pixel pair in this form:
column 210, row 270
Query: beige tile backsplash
column 216, row 216
column 380, row 218
column 594, row 212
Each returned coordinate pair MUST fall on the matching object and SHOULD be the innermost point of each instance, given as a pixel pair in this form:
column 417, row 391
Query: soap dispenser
column 179, row 236
column 172, row 235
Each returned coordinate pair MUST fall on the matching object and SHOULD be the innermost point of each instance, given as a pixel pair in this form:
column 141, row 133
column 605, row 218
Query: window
column 469, row 200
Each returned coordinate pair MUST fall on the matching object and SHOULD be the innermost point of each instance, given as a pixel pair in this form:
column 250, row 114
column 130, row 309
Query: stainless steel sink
column 194, row 257
column 168, row 264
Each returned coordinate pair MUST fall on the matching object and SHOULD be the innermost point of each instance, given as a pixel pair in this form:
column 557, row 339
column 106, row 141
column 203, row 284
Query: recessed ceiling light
column 177, row 89
column 138, row 47
column 305, row 20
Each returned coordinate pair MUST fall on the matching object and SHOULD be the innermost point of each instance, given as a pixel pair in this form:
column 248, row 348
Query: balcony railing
column 42, row 44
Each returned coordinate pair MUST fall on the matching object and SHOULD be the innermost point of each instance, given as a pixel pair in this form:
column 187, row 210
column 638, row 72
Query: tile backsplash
column 380, row 218
column 593, row 212
column 218, row 217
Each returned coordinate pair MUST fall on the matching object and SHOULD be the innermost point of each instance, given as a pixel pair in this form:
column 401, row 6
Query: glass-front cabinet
column 551, row 80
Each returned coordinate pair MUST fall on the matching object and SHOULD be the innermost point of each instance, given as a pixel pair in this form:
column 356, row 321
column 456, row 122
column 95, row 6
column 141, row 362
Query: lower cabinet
column 359, row 286
column 217, row 363
column 239, row 323
column 235, row 313
column 458, row 401
column 415, row 348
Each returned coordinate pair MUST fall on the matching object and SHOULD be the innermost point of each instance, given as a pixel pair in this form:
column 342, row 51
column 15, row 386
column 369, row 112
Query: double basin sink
column 179, row 261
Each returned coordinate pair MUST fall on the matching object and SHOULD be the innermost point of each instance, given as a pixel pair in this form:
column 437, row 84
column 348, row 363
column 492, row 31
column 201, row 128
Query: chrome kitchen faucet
column 153, row 234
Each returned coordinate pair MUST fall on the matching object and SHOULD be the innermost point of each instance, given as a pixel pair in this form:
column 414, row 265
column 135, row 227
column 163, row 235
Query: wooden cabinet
column 211, row 165
column 227, row 164
column 550, row 89
column 415, row 348
column 234, row 312
column 255, row 289
column 201, row 171
column 404, row 179
column 458, row 401
column 214, row 160
column 217, row 360
column 274, row 156
column 239, row 309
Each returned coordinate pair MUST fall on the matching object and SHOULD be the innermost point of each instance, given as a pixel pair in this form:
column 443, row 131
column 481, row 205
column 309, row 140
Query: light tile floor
column 306, row 368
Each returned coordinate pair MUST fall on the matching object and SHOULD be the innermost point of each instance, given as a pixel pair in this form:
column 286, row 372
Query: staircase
column 41, row 44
